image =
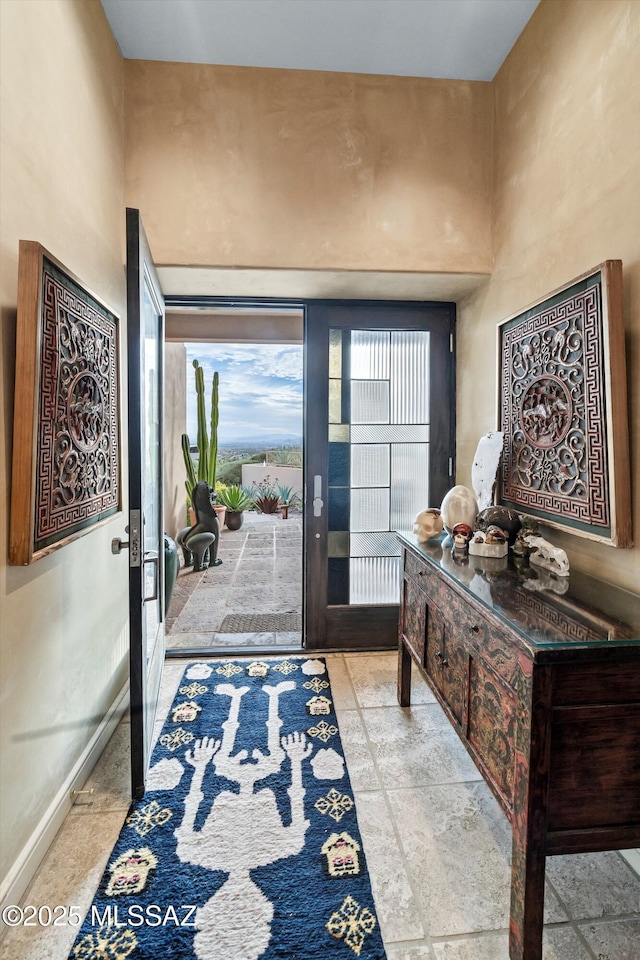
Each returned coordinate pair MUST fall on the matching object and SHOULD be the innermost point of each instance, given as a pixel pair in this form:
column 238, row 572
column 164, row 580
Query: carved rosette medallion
column 78, row 470
column 553, row 411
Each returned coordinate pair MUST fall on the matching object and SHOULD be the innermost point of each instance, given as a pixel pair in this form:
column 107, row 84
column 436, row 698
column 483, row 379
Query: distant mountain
column 261, row 443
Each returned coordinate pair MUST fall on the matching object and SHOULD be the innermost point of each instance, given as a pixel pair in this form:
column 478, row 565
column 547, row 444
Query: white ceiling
column 451, row 39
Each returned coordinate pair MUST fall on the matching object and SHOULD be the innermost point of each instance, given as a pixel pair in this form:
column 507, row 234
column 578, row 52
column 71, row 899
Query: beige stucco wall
column 236, row 166
column 273, row 169
column 64, row 620
column 567, row 197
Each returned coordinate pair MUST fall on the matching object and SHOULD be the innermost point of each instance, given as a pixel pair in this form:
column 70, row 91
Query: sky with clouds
column 260, row 393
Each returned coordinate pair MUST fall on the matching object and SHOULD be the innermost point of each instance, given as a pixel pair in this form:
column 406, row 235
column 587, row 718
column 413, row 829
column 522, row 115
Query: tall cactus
column 203, row 440
column 207, row 446
column 213, row 444
column 192, row 478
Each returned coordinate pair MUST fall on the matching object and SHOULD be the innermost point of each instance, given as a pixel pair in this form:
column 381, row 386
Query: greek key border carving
column 554, row 407
column 66, row 474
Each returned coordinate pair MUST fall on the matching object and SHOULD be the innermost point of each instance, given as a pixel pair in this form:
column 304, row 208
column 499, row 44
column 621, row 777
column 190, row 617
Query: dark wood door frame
column 143, row 694
column 331, row 627
column 382, row 622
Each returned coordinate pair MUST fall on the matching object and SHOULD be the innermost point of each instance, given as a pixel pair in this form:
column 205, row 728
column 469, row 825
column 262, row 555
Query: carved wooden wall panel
column 66, row 475
column 560, row 413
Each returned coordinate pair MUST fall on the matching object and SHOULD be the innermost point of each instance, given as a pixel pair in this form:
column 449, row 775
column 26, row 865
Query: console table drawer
column 416, row 570
column 446, row 661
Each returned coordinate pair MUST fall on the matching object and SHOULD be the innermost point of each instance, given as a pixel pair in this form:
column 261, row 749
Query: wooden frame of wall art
column 66, row 435
column 562, row 405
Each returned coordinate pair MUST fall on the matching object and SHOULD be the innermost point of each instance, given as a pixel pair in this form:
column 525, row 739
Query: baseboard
column 23, row 870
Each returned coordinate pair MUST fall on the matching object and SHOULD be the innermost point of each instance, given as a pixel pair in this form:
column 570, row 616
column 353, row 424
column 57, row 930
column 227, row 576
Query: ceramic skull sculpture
column 461, row 534
column 428, row 524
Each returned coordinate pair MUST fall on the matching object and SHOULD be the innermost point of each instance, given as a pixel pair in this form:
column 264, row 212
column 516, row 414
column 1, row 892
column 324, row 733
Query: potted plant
column 236, row 500
column 288, row 496
column 207, row 441
column 265, row 495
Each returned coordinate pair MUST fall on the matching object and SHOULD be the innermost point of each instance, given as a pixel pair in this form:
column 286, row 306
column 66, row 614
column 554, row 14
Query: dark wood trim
column 316, row 398
column 374, row 628
column 592, row 840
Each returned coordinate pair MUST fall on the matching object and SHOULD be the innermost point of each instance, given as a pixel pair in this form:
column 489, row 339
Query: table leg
column 527, row 902
column 530, row 795
column 404, row 676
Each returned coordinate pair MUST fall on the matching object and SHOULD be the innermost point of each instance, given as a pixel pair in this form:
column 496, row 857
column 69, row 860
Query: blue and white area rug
column 246, row 843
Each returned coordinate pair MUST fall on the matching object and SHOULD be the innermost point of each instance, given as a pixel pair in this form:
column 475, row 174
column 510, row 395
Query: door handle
column 318, row 503
column 133, row 543
column 155, row 560
column 118, row 545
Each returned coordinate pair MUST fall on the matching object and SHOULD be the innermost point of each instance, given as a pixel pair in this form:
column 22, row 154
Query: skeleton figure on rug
column 243, row 830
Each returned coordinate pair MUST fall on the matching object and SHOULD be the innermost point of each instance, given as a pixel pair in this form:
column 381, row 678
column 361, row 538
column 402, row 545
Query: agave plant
column 265, row 495
column 288, row 496
column 235, row 498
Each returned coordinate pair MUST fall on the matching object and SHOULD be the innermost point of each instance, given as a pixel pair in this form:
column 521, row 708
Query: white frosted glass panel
column 393, row 433
column 339, row 433
column 335, row 401
column 409, row 483
column 369, row 355
column 377, row 544
column 374, row 580
column 409, row 376
column 335, row 353
column 370, row 465
column 369, row 509
column 370, row 401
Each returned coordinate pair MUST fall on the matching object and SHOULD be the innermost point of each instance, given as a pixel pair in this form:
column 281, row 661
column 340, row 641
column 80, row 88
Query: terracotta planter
column 221, row 511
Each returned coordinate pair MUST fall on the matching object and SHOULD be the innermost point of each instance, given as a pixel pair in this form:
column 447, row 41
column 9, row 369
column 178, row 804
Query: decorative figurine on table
column 485, row 467
column 461, row 535
column 528, row 528
column 504, row 517
column 200, row 542
column 428, row 524
column 459, row 506
column 492, row 542
column 544, row 554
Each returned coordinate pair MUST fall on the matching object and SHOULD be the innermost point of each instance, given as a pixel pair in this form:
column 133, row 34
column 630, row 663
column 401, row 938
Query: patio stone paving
column 261, row 573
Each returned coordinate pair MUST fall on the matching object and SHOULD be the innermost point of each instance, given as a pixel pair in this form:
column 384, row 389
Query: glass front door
column 371, row 464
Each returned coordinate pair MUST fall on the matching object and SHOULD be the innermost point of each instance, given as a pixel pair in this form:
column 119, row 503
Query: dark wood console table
column 541, row 680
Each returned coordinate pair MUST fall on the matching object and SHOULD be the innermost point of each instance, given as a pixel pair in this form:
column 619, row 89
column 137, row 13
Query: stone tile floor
column 437, row 846
column 261, row 572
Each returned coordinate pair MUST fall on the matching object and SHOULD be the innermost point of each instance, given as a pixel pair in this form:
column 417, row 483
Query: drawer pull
column 475, row 628
column 443, row 660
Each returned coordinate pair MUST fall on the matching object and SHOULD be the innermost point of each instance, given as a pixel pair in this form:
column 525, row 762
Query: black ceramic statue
column 200, row 542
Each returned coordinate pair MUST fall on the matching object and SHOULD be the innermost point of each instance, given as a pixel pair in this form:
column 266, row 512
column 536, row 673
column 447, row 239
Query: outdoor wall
column 278, row 474
column 567, row 197
column 175, row 424
column 266, row 168
column 64, row 620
